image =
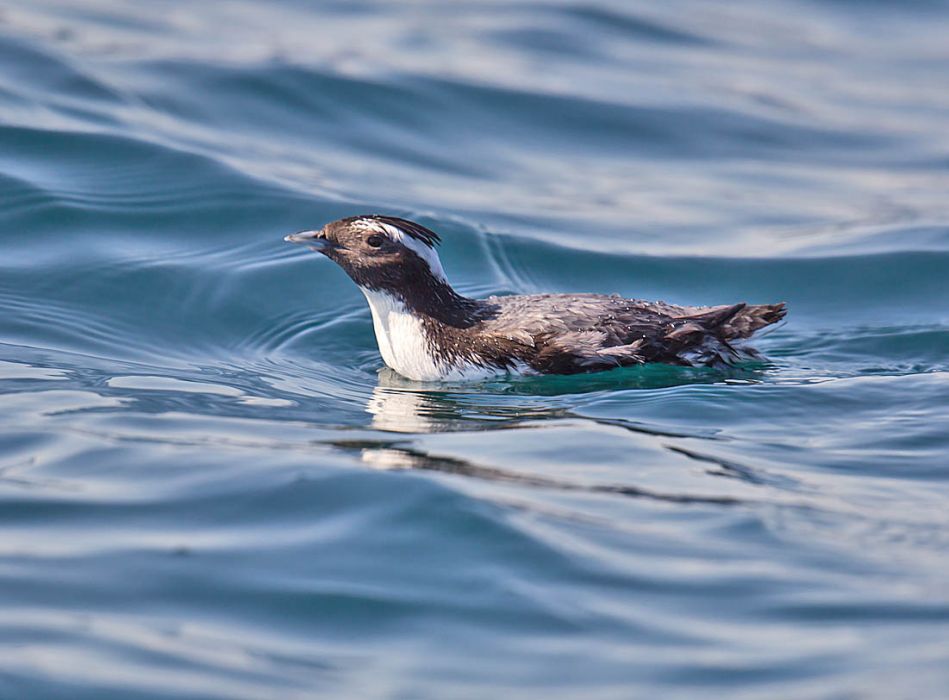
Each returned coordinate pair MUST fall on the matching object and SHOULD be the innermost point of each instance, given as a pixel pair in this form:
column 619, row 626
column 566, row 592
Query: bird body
column 427, row 331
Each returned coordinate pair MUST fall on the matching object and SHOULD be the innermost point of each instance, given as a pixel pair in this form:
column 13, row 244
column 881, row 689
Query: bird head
column 379, row 253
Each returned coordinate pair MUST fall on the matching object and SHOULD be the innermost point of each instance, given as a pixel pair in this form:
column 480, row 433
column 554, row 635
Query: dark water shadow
column 399, row 455
column 646, row 377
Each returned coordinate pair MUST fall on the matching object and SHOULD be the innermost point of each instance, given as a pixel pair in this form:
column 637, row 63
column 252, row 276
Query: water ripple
column 210, row 487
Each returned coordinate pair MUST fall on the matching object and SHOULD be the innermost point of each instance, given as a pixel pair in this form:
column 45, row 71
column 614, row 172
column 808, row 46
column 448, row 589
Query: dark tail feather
column 740, row 320
column 704, row 338
column 749, row 319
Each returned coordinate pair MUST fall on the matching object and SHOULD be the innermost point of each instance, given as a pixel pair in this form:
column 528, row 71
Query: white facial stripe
column 423, row 251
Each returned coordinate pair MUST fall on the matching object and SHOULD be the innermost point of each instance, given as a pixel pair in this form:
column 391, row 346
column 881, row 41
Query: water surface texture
column 210, row 488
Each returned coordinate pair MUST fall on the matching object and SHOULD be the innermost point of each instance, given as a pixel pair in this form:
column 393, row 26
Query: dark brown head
column 379, row 253
column 396, row 257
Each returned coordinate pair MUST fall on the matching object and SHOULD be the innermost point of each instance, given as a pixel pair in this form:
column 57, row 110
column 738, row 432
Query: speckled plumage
column 571, row 333
column 428, row 331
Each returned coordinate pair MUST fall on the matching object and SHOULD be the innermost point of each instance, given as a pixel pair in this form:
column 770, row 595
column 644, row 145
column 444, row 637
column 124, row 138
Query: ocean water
column 210, row 488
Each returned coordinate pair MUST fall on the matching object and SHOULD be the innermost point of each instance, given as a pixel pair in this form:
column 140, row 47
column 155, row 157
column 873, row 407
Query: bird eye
column 374, row 240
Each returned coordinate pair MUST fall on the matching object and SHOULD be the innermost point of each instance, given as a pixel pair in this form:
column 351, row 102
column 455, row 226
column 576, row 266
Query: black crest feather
column 416, row 231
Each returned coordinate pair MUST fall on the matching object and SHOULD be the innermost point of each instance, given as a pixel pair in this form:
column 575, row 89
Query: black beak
column 316, row 240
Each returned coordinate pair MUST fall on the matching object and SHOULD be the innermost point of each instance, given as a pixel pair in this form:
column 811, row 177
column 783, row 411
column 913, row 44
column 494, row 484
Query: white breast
column 405, row 347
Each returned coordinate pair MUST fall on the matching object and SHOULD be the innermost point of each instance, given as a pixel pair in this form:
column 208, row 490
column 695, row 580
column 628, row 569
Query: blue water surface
column 210, row 487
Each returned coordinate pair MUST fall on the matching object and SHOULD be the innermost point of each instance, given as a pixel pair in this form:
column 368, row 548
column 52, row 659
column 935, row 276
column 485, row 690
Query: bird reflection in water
column 405, row 407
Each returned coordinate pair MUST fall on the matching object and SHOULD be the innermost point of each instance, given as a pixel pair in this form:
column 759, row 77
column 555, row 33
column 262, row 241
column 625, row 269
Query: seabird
column 427, row 331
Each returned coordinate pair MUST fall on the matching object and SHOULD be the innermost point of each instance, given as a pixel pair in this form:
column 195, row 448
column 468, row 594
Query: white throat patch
column 405, row 347
column 401, row 338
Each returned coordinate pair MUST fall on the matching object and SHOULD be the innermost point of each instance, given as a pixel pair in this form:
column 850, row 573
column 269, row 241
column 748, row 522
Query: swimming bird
column 427, row 331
